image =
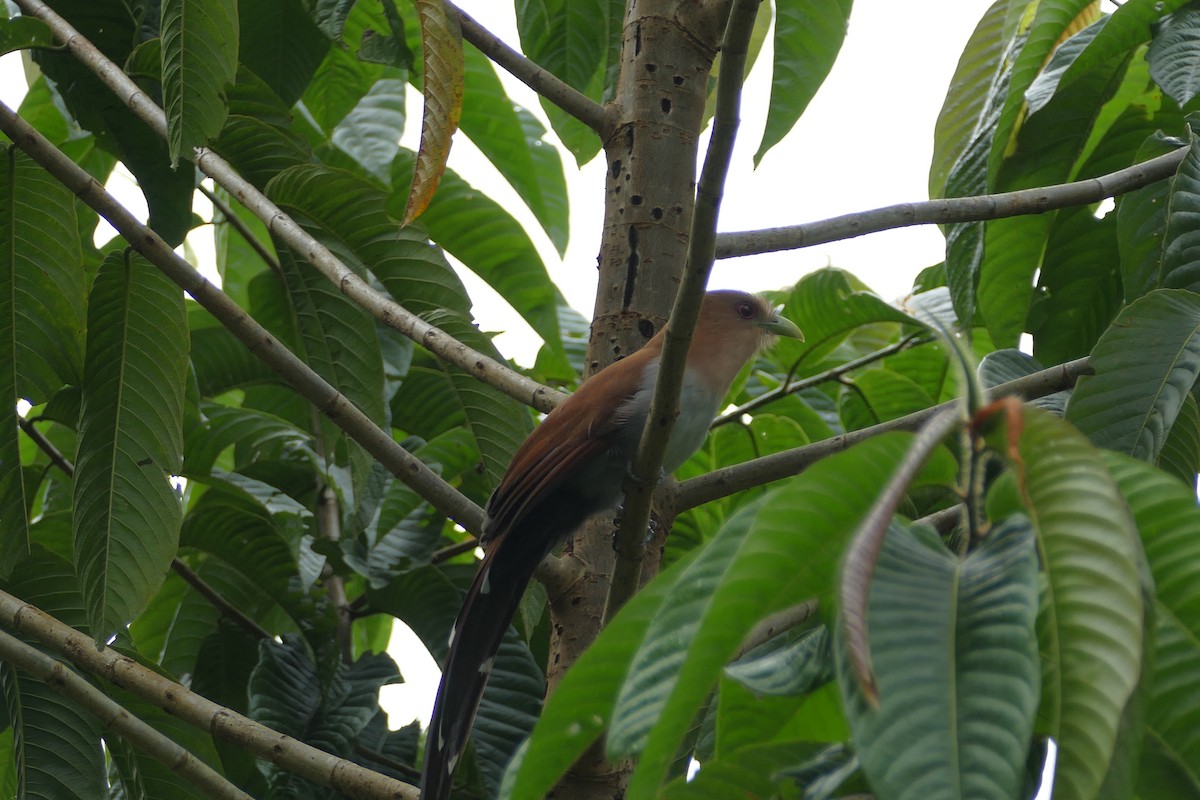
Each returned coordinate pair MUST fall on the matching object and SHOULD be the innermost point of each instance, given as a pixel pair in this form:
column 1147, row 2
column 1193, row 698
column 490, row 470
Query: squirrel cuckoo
column 574, row 465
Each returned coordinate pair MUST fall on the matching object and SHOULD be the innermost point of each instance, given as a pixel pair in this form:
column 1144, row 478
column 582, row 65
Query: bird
column 572, row 466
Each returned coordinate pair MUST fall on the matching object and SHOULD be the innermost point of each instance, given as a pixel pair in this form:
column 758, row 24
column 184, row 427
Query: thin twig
column 247, row 235
column 296, row 373
column 570, row 100
column 218, row 602
column 223, row 723
column 46, row 446
column 950, row 209
column 664, row 403
column 730, row 480
column 834, row 373
column 112, row 716
column 482, row 367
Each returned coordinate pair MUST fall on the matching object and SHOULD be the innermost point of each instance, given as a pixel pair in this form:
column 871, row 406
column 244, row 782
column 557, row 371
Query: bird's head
column 743, row 316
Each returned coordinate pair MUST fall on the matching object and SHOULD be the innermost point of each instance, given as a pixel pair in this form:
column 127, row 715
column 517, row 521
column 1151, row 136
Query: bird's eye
column 745, row 310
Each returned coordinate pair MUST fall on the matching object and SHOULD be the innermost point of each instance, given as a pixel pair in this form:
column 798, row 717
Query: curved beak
column 782, row 326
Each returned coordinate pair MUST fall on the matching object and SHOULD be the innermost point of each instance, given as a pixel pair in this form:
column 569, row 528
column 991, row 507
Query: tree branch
column 575, row 103
column 951, row 209
column 769, row 627
column 112, row 716
column 724, row 482
column 834, row 373
column 482, row 367
column 302, row 759
column 257, row 340
column 664, row 404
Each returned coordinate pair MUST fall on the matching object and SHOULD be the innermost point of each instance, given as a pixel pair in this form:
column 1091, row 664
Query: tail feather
column 489, row 607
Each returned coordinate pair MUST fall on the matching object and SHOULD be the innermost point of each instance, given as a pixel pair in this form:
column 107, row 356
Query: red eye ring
column 745, row 310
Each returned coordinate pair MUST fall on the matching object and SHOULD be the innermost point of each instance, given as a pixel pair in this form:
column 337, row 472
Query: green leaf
column 481, row 234
column 515, row 142
column 955, row 657
column 172, row 629
column 289, row 694
column 1180, row 454
column 577, row 712
column 1079, row 286
column 561, row 37
column 1141, row 225
column 776, row 564
column 1181, row 240
column 508, row 710
column 115, row 29
column 56, row 742
column 831, row 305
column 41, row 272
column 794, row 669
column 41, row 319
column 436, row 397
column 370, row 133
column 127, row 515
column 199, row 57
column 281, row 44
column 1169, row 522
column 967, row 94
column 22, row 33
column 1174, row 55
column 1146, row 363
column 808, row 36
column 1090, row 623
column 347, row 214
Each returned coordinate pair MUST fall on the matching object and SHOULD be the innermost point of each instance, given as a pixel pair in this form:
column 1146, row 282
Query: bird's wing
column 581, row 429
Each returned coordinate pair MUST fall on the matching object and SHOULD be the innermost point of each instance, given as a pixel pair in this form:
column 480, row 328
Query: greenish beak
column 782, row 326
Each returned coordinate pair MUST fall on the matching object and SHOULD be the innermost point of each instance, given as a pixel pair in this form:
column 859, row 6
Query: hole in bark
column 646, row 328
column 616, row 168
column 656, row 213
column 636, row 199
column 666, row 106
column 651, row 67
column 678, row 80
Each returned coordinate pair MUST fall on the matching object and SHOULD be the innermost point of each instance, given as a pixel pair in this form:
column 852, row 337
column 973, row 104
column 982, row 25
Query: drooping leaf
column 56, row 742
column 808, row 36
column 442, row 56
column 22, row 33
column 967, row 93
column 572, row 39
column 281, row 44
column 1090, row 622
column 1174, row 55
column 1181, row 240
column 1146, row 362
column 955, row 657
column 1180, row 454
column 116, row 29
column 481, row 234
column 1141, row 225
column 776, row 563
column 41, row 319
column 370, row 132
column 515, row 142
column 127, row 515
column 1169, row 522
column 199, row 57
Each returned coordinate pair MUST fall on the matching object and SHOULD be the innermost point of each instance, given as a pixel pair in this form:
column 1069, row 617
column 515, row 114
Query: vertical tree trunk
column 666, row 58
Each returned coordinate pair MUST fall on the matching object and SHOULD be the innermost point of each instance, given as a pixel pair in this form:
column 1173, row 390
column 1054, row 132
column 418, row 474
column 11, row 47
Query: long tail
column 486, row 613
